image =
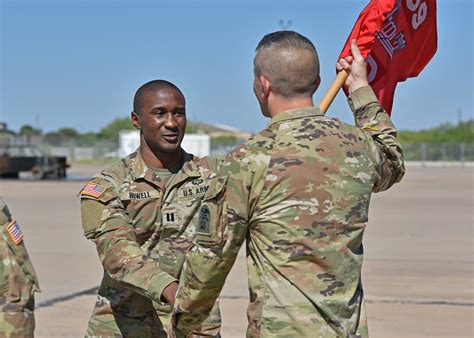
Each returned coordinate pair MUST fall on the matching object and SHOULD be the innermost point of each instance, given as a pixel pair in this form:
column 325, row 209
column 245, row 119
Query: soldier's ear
column 266, row 86
column 316, row 84
column 135, row 120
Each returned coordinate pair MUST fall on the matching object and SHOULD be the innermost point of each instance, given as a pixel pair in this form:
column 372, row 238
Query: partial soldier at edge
column 18, row 280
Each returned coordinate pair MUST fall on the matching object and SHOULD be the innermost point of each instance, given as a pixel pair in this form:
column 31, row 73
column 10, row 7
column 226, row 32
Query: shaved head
column 151, row 87
column 290, row 63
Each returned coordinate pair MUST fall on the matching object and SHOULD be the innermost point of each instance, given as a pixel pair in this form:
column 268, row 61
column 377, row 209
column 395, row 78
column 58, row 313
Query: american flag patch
column 14, row 232
column 93, row 189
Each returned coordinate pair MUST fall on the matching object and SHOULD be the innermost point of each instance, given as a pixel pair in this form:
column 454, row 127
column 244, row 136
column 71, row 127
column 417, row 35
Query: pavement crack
column 60, row 299
column 93, row 291
column 397, row 301
column 420, row 302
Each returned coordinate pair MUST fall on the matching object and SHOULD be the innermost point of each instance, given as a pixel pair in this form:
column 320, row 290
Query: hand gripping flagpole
column 333, row 90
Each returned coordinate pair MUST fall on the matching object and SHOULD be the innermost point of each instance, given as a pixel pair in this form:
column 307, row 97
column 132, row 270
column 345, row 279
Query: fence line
column 418, row 152
column 425, row 151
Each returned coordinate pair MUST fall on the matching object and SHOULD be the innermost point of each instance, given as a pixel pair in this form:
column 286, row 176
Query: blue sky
column 78, row 63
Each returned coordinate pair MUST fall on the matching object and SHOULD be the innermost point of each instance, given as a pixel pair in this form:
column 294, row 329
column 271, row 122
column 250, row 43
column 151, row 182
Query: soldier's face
column 162, row 120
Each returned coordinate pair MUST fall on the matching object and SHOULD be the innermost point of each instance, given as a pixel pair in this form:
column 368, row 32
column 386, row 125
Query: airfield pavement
column 418, row 271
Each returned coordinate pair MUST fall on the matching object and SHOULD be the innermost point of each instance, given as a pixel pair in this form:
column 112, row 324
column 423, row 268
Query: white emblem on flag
column 388, row 37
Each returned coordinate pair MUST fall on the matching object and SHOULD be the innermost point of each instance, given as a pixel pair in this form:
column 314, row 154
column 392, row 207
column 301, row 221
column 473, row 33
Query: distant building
column 217, row 130
column 4, row 129
column 6, row 135
column 10, row 137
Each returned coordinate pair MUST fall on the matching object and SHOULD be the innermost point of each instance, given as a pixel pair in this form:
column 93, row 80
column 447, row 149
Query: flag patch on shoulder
column 14, row 232
column 93, row 189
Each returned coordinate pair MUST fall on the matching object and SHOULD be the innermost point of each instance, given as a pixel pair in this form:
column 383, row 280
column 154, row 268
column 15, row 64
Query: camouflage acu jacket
column 299, row 192
column 18, row 281
column 142, row 230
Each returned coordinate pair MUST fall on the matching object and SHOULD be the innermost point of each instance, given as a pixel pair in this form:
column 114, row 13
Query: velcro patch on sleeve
column 204, row 225
column 93, row 189
column 14, row 231
column 91, row 213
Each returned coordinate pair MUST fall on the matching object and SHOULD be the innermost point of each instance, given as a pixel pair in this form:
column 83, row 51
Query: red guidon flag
column 397, row 38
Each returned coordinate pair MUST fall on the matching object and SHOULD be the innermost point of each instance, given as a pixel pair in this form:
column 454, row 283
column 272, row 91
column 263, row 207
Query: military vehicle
column 29, row 158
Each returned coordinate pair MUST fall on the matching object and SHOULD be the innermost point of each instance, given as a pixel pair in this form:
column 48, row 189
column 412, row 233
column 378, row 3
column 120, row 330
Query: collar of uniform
column 190, row 168
column 295, row 114
column 140, row 170
column 138, row 167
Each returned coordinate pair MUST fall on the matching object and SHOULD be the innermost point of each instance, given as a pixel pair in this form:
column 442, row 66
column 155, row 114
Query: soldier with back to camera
column 298, row 194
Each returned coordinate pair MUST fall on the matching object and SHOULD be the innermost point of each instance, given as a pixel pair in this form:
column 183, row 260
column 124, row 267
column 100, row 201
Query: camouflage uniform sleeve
column 223, row 222
column 106, row 222
column 376, row 123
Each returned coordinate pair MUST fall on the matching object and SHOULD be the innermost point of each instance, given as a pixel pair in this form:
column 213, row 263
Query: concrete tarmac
column 418, row 272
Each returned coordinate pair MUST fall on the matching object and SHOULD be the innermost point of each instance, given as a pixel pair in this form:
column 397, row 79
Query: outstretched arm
column 376, row 123
column 223, row 224
column 106, row 222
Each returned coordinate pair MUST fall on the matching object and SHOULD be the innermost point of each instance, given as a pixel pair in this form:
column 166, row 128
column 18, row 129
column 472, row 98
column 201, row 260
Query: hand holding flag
column 356, row 69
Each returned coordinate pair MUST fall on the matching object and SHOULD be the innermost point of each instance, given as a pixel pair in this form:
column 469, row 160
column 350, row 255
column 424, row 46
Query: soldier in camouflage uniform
column 18, row 281
column 298, row 193
column 139, row 213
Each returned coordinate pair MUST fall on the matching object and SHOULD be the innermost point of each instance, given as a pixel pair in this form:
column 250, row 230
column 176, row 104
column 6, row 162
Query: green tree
column 63, row 135
column 88, row 139
column 190, row 127
column 28, row 130
column 445, row 133
column 67, row 133
column 111, row 131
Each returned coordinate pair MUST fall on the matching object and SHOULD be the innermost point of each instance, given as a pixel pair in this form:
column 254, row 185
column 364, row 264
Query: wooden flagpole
column 333, row 90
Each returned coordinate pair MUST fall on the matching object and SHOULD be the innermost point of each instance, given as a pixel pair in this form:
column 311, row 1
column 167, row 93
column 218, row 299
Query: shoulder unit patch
column 13, row 230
